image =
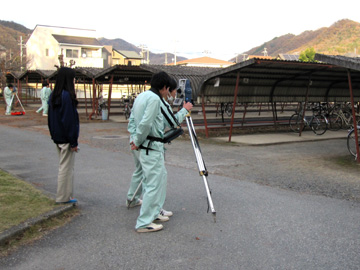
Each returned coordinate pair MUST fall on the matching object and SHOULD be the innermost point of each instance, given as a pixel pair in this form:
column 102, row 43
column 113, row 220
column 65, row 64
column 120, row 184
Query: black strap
column 156, row 92
column 156, row 139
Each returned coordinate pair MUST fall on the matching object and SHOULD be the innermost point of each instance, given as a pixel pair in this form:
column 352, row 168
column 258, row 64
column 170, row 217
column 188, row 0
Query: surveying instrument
column 185, row 94
column 18, row 99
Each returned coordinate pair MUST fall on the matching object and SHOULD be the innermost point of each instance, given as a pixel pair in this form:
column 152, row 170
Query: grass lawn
column 20, row 201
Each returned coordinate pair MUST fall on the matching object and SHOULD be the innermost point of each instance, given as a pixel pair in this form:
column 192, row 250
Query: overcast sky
column 193, row 28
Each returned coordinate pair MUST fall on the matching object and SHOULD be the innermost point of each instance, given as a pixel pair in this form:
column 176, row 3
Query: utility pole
column 21, row 52
column 175, row 52
column 143, row 47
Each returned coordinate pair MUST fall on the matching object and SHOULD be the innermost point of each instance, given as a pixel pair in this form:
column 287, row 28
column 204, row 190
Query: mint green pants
column 135, row 179
column 154, row 176
column 44, row 107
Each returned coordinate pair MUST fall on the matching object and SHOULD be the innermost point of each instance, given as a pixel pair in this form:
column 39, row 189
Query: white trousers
column 66, row 173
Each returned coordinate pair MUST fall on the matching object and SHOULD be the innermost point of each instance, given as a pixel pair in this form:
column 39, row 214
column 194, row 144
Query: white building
column 46, row 43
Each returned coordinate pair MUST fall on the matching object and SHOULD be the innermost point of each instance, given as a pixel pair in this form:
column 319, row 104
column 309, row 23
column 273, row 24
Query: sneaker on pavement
column 152, row 227
column 161, row 218
column 163, row 212
column 137, row 203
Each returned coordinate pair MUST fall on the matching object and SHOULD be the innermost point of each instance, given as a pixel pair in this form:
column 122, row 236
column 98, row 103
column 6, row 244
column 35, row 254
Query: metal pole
column 233, row 111
column 304, row 108
column 354, row 117
column 109, row 97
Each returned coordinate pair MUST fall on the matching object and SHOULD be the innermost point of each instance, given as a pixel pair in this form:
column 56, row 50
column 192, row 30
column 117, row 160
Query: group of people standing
column 151, row 115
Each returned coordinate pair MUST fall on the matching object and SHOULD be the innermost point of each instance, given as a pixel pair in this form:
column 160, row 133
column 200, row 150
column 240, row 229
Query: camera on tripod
column 184, row 93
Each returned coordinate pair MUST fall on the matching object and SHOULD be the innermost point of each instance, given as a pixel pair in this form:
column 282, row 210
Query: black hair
column 45, row 84
column 159, row 80
column 173, row 85
column 10, row 85
column 64, row 82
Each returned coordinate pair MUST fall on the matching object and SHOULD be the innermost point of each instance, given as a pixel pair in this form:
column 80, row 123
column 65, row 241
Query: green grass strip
column 20, row 201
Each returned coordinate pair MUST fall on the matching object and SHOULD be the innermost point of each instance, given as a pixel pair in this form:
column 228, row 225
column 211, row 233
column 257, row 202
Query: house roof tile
column 77, row 40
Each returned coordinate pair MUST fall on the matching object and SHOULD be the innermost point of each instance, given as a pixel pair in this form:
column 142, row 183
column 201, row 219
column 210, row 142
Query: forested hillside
column 10, row 33
column 340, row 38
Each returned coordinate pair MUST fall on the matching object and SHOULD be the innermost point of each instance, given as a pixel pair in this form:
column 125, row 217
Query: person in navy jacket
column 64, row 127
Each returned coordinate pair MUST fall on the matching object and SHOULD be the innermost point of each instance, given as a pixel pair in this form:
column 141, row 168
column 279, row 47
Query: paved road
column 258, row 226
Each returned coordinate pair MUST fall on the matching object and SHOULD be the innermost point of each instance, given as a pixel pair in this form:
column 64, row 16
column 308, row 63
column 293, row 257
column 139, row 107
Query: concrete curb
column 26, row 225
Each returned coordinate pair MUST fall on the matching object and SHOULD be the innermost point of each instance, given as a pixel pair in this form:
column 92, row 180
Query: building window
column 72, row 53
column 46, row 52
column 86, row 53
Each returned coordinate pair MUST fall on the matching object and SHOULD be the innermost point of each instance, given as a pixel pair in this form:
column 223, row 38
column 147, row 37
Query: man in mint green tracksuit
column 138, row 174
column 8, row 94
column 44, row 96
column 146, row 120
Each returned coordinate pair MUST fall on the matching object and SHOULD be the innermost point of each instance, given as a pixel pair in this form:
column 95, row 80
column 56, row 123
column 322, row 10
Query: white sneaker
column 138, row 203
column 161, row 218
column 152, row 227
column 163, row 212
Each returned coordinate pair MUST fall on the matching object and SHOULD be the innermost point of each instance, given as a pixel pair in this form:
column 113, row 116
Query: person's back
column 139, row 122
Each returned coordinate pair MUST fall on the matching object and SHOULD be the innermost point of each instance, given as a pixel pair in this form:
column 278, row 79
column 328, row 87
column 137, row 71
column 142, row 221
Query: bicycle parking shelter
column 334, row 79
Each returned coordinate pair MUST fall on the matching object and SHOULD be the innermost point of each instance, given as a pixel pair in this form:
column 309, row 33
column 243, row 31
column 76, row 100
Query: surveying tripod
column 201, row 166
column 12, row 100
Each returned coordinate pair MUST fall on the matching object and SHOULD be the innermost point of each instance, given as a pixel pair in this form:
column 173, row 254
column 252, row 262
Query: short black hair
column 159, row 80
column 10, row 85
column 45, row 84
column 173, row 85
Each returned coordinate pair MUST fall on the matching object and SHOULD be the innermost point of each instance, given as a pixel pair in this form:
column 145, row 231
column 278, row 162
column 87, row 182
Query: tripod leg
column 20, row 102
column 200, row 162
column 133, row 197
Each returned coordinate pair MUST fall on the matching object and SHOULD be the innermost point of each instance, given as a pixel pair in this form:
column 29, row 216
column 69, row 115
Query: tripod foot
column 214, row 216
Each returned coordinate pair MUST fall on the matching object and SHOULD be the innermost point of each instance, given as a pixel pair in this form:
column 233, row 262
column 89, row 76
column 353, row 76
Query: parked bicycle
column 351, row 142
column 343, row 118
column 226, row 108
column 127, row 109
column 317, row 122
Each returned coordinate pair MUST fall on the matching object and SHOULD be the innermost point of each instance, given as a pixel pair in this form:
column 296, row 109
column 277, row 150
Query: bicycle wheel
column 319, row 124
column 351, row 142
column 295, row 122
column 229, row 108
column 127, row 113
column 335, row 121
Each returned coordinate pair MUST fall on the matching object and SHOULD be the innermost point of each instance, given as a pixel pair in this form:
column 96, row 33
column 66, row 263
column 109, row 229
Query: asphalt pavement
column 257, row 226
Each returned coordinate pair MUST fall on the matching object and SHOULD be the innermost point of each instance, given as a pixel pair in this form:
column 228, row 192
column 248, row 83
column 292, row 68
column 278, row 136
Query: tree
column 308, row 55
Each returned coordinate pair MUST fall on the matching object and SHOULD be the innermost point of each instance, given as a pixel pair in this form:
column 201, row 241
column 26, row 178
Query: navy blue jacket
column 63, row 120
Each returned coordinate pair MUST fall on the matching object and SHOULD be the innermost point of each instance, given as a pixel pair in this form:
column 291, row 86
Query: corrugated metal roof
column 194, row 74
column 77, row 40
column 263, row 80
column 342, row 61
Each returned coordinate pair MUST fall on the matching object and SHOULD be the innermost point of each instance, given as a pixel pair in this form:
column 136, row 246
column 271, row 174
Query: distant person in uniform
column 8, row 95
column 44, row 96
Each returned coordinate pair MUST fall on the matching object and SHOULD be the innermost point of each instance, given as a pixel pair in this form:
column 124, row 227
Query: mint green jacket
column 146, row 119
